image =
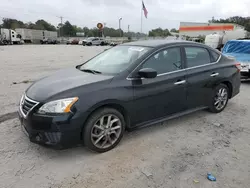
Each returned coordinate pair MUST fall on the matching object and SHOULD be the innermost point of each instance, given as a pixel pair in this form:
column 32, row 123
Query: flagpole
column 141, row 18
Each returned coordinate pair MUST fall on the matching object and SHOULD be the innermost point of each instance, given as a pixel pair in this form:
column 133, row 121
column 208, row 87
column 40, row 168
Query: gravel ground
column 176, row 154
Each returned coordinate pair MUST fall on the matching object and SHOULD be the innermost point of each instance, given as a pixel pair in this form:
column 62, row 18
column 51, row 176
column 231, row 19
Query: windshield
column 237, row 47
column 90, row 38
column 115, row 60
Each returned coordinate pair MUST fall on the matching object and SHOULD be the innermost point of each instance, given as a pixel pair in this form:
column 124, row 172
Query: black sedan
column 49, row 41
column 128, row 86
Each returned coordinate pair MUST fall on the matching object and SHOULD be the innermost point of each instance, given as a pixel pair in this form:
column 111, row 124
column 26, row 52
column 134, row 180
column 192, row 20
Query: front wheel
column 104, row 130
column 219, row 99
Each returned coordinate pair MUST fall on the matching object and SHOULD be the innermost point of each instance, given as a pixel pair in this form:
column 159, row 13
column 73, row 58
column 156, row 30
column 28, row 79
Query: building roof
column 195, row 26
column 154, row 43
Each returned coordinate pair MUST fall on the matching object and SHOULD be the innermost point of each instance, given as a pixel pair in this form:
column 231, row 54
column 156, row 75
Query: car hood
column 241, row 57
column 61, row 81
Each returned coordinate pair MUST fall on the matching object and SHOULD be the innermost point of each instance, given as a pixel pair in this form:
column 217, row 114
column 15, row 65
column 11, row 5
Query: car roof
column 246, row 40
column 157, row 43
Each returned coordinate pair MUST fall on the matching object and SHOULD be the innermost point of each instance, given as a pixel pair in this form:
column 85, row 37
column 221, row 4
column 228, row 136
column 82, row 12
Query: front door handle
column 214, row 74
column 180, row 82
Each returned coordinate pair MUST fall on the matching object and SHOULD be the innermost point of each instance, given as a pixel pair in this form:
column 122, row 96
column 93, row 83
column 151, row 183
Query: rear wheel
column 104, row 130
column 219, row 99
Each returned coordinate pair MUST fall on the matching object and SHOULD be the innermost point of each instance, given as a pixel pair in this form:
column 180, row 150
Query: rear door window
column 197, row 56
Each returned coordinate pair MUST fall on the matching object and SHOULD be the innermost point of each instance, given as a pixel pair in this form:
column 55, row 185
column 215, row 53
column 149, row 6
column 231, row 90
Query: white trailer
column 9, row 36
column 217, row 40
column 50, row 35
column 33, row 36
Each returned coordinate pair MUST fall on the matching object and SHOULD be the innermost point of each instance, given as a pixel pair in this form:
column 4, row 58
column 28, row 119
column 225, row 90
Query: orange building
column 193, row 29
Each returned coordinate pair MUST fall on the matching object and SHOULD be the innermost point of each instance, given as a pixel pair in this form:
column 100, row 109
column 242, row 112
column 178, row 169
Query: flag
column 144, row 10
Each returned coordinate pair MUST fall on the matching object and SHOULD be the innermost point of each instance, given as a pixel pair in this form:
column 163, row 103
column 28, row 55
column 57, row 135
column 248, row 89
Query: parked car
column 80, row 42
column 128, row 86
column 240, row 50
column 49, row 41
column 113, row 44
column 94, row 41
column 72, row 41
column 69, row 41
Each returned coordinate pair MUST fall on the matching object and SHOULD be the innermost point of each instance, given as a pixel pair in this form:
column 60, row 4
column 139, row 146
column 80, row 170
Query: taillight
column 238, row 66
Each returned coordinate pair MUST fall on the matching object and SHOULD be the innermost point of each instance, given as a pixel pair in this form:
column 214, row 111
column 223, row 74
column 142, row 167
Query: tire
column 216, row 108
column 90, row 44
column 95, row 130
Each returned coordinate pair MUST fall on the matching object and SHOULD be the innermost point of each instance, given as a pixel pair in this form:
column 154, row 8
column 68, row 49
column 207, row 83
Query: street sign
column 99, row 26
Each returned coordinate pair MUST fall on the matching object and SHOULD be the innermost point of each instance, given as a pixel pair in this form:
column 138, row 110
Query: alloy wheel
column 106, row 131
column 221, row 98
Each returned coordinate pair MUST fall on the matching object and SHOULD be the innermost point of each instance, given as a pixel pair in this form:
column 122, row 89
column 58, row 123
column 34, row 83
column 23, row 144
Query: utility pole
column 120, row 27
column 60, row 28
column 61, row 25
column 103, row 34
column 128, row 33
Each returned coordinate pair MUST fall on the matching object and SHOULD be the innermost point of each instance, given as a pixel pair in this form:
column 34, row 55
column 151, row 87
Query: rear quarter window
column 214, row 56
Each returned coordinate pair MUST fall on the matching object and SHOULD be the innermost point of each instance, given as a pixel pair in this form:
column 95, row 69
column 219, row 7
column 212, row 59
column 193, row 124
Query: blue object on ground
column 210, row 177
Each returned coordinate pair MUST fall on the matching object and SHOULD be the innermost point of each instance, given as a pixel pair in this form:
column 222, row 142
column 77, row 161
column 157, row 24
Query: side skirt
column 159, row 120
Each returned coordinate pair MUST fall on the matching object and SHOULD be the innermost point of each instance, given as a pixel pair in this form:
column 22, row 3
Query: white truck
column 94, row 41
column 217, row 40
column 35, row 36
column 9, row 36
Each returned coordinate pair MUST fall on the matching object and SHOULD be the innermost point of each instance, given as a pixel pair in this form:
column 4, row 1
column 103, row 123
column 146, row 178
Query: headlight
column 58, row 106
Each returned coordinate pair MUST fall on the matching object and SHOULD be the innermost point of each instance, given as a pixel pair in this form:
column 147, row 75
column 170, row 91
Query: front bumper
column 58, row 131
column 245, row 74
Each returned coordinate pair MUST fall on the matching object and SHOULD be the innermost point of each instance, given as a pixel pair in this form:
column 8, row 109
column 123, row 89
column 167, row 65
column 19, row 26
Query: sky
column 161, row 13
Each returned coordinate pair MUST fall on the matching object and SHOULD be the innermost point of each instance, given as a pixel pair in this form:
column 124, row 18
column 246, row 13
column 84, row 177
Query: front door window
column 167, row 60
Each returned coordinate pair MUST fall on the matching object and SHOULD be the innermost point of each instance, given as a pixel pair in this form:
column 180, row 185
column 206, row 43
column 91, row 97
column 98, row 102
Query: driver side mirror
column 147, row 73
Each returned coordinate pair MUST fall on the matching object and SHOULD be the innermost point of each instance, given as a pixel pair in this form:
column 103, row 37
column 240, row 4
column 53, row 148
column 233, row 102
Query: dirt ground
column 176, row 154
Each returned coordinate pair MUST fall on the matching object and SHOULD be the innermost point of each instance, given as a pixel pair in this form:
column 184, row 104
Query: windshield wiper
column 91, row 71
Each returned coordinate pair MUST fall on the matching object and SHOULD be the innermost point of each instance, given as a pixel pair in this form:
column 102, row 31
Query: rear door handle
column 180, row 82
column 214, row 74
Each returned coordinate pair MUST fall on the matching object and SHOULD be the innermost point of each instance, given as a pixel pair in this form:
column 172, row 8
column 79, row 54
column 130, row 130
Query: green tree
column 78, row 29
column 243, row 21
column 159, row 32
column 31, row 25
column 43, row 25
column 174, row 30
column 86, row 31
column 68, row 30
column 12, row 23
